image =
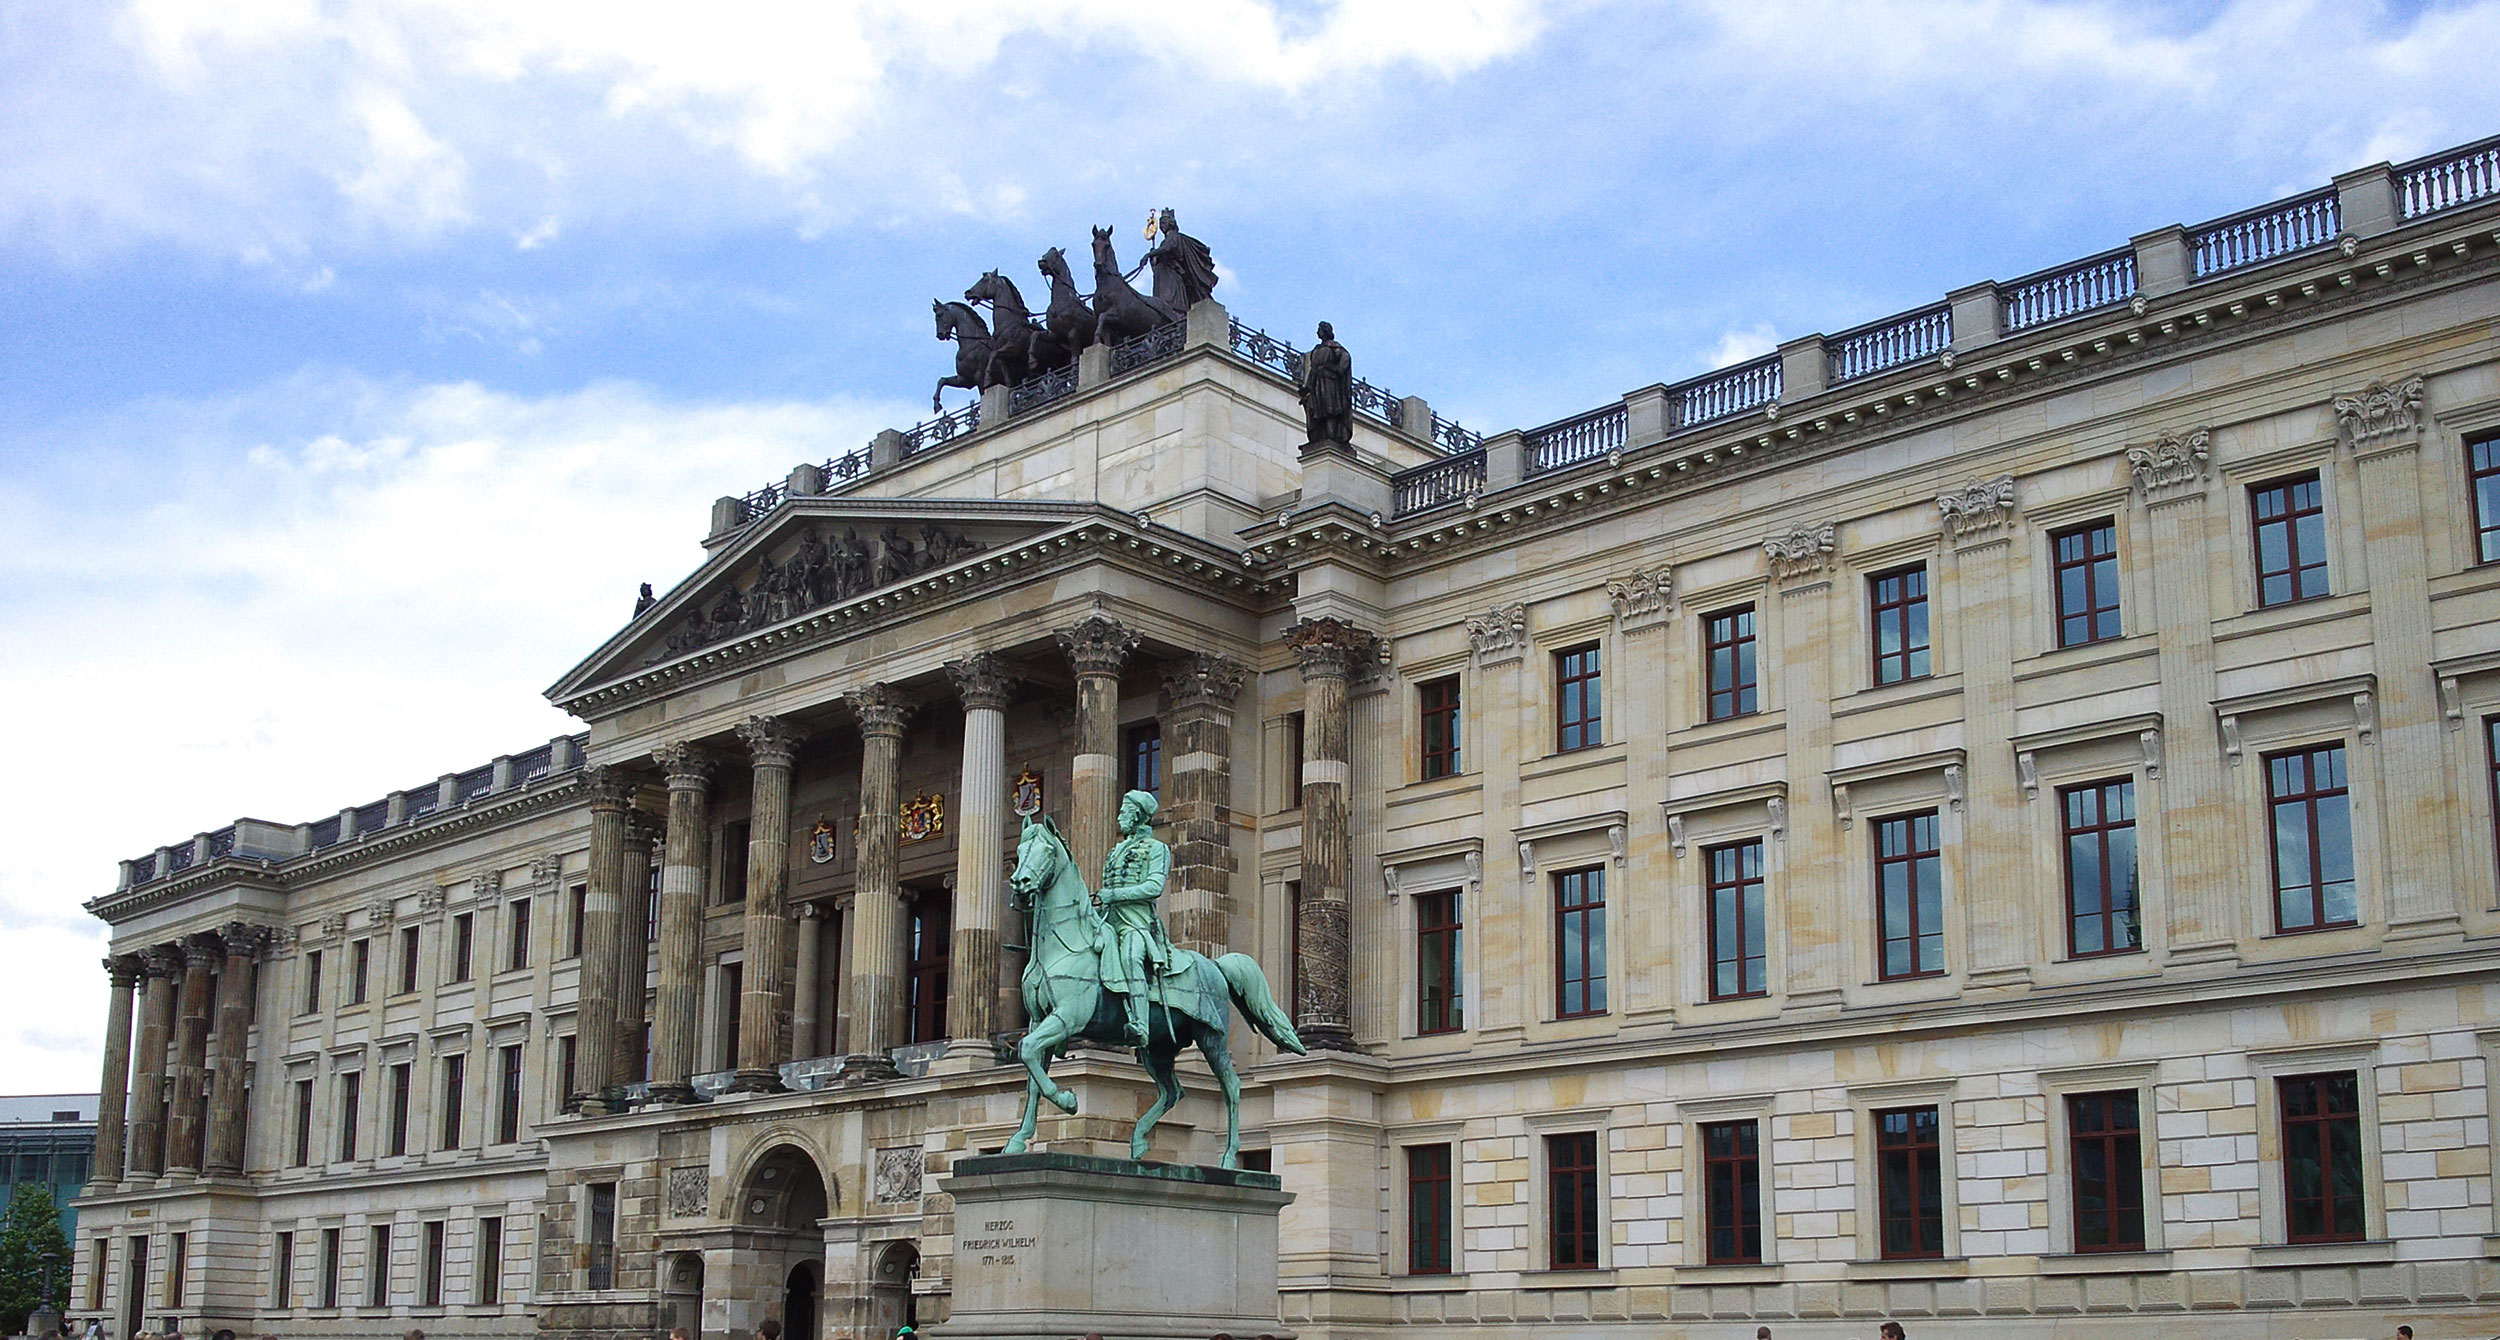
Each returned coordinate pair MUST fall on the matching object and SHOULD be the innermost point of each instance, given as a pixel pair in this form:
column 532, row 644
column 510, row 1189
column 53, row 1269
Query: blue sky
column 359, row 358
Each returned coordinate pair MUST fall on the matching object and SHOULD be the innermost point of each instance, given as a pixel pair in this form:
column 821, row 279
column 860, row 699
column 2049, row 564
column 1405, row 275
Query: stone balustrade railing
column 2263, row 234
column 2449, row 179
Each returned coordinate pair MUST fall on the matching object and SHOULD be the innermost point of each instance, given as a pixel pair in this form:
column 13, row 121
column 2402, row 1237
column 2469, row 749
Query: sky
column 359, row 357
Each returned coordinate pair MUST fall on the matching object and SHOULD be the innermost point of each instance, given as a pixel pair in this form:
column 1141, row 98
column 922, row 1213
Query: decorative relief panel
column 2382, row 414
column 2175, row 464
column 1980, row 507
column 1644, row 597
column 898, row 1175
column 689, row 1192
column 1499, row 634
column 1801, row 550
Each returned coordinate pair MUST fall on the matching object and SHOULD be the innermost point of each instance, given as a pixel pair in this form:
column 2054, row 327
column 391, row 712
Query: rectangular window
column 733, row 862
column 2086, row 562
column 1579, row 699
column 1296, row 733
column 351, row 1094
column 1143, row 748
column 1738, row 961
column 564, row 1067
column 517, row 919
column 330, row 1267
column 178, row 1270
column 508, row 1097
column 403, row 1085
column 455, row 1075
column 932, row 917
column 2101, row 905
column 2107, row 1150
column 2322, row 1157
column 1909, row 1171
column 2290, row 519
column 430, row 1266
column 281, row 1273
column 1728, row 663
column 1571, row 1200
column 1731, row 1162
column 581, row 911
column 378, row 1267
column 312, row 981
column 303, row 1122
column 1427, row 1209
column 2483, row 463
column 2312, row 812
column 1440, row 1004
column 733, row 999
column 463, row 934
column 1899, row 602
column 359, row 972
column 97, row 1266
column 1580, row 942
column 2491, row 759
column 1437, row 704
column 407, row 960
column 1909, row 896
column 601, row 1236
column 489, row 1286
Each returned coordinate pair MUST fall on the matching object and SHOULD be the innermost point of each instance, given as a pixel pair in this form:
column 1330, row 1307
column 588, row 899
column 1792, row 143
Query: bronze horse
column 1025, row 348
column 975, row 368
column 1070, row 320
column 1122, row 313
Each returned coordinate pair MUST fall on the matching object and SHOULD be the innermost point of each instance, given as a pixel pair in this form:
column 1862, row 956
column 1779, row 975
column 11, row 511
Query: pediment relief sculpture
column 825, row 568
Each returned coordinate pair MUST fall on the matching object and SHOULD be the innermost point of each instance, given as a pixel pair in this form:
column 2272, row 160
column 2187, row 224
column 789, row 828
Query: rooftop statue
column 1328, row 391
column 1120, row 312
column 1184, row 268
column 1103, row 970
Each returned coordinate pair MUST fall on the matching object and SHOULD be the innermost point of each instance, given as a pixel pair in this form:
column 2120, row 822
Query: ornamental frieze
column 819, row 573
column 1801, row 550
column 1500, row 634
column 2381, row 413
column 2174, row 463
column 1978, row 507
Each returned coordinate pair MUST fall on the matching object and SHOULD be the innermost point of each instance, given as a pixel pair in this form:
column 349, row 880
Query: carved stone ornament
column 689, row 1192
column 431, row 899
column 1098, row 644
column 899, row 1174
column 2382, row 413
column 1332, row 647
column 545, row 871
column 881, row 709
column 245, row 938
column 1978, row 507
column 486, row 886
column 1499, row 634
column 820, row 842
column 1644, row 597
column 382, row 911
column 610, row 788
column 770, row 741
column 333, row 926
column 685, row 764
column 2175, row 463
column 1801, row 550
column 984, row 681
column 124, row 970
column 1203, row 681
column 822, row 570
column 161, row 961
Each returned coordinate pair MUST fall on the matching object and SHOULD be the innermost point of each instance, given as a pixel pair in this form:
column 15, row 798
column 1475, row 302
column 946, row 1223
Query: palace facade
column 1985, row 819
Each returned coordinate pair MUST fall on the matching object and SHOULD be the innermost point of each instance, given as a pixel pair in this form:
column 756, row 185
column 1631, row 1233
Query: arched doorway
column 798, row 1305
column 681, row 1287
column 780, row 1236
column 897, row 1266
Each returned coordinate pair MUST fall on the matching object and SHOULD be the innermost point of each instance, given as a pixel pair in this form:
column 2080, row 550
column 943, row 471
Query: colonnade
column 180, row 1109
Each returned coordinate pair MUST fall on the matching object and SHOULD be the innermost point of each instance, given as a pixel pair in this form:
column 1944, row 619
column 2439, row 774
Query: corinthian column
column 633, row 946
column 111, row 1121
column 190, row 1074
column 1197, row 711
column 765, row 987
column 594, row 1012
column 879, row 941
column 806, row 990
column 163, row 966
column 689, row 772
column 985, row 684
column 227, row 1110
column 1331, row 651
column 1097, row 647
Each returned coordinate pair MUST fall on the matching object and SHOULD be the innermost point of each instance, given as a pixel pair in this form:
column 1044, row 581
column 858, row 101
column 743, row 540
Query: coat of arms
column 1028, row 801
column 820, row 842
column 924, row 817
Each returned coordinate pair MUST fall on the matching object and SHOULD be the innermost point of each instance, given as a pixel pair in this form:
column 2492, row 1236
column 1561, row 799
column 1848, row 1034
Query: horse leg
column 1035, row 1051
column 1216, row 1046
column 1023, row 1137
column 1158, row 1058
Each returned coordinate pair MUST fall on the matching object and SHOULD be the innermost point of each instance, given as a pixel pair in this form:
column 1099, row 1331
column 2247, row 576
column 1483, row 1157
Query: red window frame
column 1734, row 921
column 1438, row 725
column 2482, row 482
column 1909, row 1170
column 2292, row 512
column 2105, row 1158
column 1911, row 845
column 1440, row 963
column 2085, row 582
column 1579, row 699
column 1571, row 1228
column 1731, row 1163
column 2294, row 792
column 1428, row 1209
column 508, row 1100
column 1580, row 937
column 1897, row 600
column 2322, row 1129
column 1731, row 664
column 2098, row 822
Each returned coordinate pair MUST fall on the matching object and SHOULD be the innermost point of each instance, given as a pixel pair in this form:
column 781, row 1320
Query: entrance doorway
column 890, row 1294
column 798, row 1305
column 682, row 1292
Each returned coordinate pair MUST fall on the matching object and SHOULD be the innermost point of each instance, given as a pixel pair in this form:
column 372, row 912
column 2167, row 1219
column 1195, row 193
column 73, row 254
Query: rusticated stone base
column 603, row 1320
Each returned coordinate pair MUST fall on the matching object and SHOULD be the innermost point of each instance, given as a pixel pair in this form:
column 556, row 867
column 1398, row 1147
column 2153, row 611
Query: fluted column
column 1197, row 710
column 807, row 984
column 880, row 935
column 1332, row 652
column 765, row 986
column 985, row 683
column 594, row 1011
column 689, row 772
column 633, row 945
column 112, row 1103
column 227, row 1110
column 1097, row 647
column 190, row 1070
column 163, row 966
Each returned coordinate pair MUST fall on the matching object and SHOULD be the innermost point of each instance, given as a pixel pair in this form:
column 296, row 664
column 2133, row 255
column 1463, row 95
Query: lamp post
column 45, row 1320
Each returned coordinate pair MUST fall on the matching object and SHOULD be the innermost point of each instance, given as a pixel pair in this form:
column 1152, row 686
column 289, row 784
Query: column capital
column 610, row 787
column 643, row 829
column 246, row 938
column 1203, row 680
column 1098, row 644
column 773, row 741
column 124, row 970
column 881, row 708
column 1331, row 647
column 983, row 680
column 687, row 765
column 202, row 950
column 810, row 911
column 163, row 960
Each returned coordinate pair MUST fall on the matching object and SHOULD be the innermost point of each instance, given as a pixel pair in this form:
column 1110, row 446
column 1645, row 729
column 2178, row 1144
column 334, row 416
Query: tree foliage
column 32, row 1228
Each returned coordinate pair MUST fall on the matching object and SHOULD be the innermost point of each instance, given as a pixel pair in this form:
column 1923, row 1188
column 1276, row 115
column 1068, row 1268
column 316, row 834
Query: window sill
column 2106, row 1263
column 1454, row 1281
column 1754, row 1272
column 1934, row 1267
column 2369, row 1252
column 1562, row 761
column 1875, row 697
column 2257, row 619
column 1569, row 1277
column 1718, row 729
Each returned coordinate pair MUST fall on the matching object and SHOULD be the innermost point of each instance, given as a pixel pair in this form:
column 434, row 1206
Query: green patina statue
column 1102, row 969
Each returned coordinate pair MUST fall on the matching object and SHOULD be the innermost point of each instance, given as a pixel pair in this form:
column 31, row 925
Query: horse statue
column 1064, row 997
column 1122, row 313
column 1024, row 348
column 1069, row 321
column 975, row 368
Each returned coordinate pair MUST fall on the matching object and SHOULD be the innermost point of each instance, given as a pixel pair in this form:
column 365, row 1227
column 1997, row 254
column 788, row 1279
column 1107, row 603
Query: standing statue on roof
column 1328, row 392
column 1184, row 268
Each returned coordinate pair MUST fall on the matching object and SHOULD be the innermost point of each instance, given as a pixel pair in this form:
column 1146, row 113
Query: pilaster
column 1331, row 653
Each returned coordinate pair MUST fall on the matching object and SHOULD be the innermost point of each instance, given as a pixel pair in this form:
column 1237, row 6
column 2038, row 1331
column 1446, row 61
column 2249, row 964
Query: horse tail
column 1250, row 995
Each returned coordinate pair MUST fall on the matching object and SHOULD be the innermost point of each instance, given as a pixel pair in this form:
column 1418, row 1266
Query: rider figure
column 1133, row 875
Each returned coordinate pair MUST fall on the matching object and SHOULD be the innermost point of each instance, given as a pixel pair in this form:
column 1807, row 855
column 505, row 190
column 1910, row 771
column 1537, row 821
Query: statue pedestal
column 1068, row 1245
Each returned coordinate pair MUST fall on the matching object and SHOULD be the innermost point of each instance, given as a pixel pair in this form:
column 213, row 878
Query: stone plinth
column 1067, row 1245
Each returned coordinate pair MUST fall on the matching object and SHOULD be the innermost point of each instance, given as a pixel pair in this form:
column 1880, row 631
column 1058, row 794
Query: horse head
column 1054, row 266
column 1040, row 852
column 1106, row 261
column 945, row 328
column 955, row 321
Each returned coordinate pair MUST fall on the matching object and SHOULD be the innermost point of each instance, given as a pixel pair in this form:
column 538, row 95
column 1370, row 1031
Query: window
column 2491, row 756
column 1295, row 733
column 2483, row 465
column 99, row 1262
column 463, row 928
column 508, row 1099
column 281, row 1273
column 1143, row 748
column 407, row 960
column 1427, row 1209
column 2086, row 562
column 1579, row 700
column 1899, row 600
column 430, row 1266
column 312, row 981
column 1909, row 1171
column 403, row 1083
column 2101, row 907
column 303, row 1122
column 1258, row 1160
column 329, row 1267
column 177, row 1270
column 359, row 972
column 2107, row 1147
column 1580, row 943
column 2290, row 517
column 517, row 954
column 2312, row 813
column 1731, row 1164
column 1437, row 705
column 378, row 1267
column 733, row 999
column 733, row 862
column 924, row 998
column 600, row 1236
column 1728, row 663
column 1571, row 1200
column 2322, row 1157
column 565, row 1055
column 351, row 1090
column 489, row 1286
column 581, row 911
column 1909, row 896
column 1737, row 957
column 1440, row 1000
column 455, row 1073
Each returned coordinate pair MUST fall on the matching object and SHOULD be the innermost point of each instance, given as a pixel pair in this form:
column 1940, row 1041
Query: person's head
column 1137, row 811
column 2404, row 1333
column 770, row 1330
column 1892, row 1331
column 678, row 1333
column 1761, row 1333
column 414, row 1335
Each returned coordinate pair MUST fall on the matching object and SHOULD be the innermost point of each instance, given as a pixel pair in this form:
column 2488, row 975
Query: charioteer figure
column 1133, row 876
column 1184, row 267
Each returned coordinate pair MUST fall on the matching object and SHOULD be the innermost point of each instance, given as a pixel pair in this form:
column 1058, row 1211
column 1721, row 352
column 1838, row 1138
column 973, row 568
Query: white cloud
column 1736, row 346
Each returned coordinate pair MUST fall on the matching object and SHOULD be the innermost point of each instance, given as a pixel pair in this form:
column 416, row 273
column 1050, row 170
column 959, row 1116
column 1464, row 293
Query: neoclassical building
column 1986, row 818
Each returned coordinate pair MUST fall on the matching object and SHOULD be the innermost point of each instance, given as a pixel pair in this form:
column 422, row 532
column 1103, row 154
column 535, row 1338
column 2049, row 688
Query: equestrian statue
column 1017, row 346
column 1102, row 969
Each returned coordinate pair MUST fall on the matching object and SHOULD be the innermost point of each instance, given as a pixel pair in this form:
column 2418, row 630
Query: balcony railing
column 2261, row 234
column 1584, row 437
column 1435, row 483
column 2445, row 181
column 1724, row 394
column 1890, row 343
column 1042, row 390
column 1154, row 346
column 944, row 428
column 2087, row 285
